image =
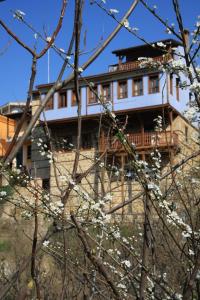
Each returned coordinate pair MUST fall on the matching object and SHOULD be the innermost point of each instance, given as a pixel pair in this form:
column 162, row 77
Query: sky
column 43, row 15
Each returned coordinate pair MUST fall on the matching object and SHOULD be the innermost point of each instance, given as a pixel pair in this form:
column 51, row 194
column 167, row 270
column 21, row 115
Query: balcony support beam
column 171, row 126
column 122, row 179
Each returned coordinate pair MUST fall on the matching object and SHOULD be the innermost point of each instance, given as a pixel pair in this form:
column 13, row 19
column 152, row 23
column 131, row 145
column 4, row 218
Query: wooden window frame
column 133, row 86
column 149, row 84
column 73, row 97
column 108, row 97
column 50, row 104
column 91, row 96
column 60, row 100
column 124, row 94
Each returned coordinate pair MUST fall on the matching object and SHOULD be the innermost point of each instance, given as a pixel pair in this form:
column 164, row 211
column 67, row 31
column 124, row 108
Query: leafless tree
column 88, row 252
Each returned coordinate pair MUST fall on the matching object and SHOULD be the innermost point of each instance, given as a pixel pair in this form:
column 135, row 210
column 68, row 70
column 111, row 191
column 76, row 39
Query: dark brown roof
column 143, row 50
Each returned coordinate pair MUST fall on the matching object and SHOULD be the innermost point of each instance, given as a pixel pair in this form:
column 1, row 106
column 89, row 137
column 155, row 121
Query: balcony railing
column 141, row 141
column 136, row 64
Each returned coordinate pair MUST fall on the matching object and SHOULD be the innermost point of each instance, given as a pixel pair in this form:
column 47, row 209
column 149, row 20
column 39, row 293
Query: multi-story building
column 137, row 95
column 7, row 129
column 10, row 115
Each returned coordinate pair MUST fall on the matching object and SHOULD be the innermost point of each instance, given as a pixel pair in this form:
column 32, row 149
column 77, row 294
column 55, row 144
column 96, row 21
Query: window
column 122, row 89
column 153, row 84
column 74, row 101
column 62, row 100
column 191, row 98
column 106, row 92
column 46, row 184
column 50, row 104
column 171, row 84
column 137, row 86
column 186, row 134
column 93, row 95
column 29, row 152
column 177, row 88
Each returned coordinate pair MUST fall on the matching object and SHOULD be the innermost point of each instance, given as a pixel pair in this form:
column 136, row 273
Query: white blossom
column 126, row 23
column 46, row 243
column 126, row 263
column 48, row 39
column 161, row 44
column 113, row 11
column 3, row 193
column 18, row 14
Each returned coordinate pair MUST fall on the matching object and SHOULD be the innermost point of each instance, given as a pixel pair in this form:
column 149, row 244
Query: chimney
column 186, row 36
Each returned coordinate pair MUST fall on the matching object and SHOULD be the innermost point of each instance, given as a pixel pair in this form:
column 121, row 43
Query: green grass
column 5, row 246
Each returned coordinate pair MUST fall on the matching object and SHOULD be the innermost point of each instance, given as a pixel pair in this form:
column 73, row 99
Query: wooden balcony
column 128, row 66
column 148, row 140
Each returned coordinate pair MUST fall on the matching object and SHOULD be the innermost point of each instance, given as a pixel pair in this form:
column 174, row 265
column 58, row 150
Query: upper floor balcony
column 133, row 65
column 142, row 141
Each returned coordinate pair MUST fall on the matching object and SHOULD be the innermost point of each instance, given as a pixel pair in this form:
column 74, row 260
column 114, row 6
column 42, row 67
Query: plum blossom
column 113, row 11
column 46, row 243
column 19, row 15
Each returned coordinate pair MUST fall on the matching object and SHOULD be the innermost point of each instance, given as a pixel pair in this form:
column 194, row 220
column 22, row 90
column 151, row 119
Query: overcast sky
column 43, row 15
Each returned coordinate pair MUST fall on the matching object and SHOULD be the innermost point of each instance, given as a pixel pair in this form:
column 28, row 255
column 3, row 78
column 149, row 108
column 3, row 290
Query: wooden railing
column 139, row 140
column 136, row 64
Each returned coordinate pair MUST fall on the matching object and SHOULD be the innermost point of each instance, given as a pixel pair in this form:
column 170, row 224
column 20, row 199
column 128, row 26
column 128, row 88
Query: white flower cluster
column 192, row 113
column 44, row 151
column 3, row 194
column 27, row 215
column 161, row 44
column 46, row 243
column 148, row 62
column 159, row 123
column 177, row 66
column 126, row 263
column 54, row 208
column 195, row 88
column 19, row 15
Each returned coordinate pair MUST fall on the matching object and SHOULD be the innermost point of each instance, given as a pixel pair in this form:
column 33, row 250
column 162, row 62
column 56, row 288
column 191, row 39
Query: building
column 7, row 130
column 10, row 115
column 138, row 95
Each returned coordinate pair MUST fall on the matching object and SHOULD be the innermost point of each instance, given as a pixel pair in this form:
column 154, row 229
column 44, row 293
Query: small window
column 137, row 86
column 177, row 88
column 153, row 84
column 62, row 100
column 46, row 184
column 93, row 95
column 106, row 92
column 74, row 100
column 186, row 134
column 122, row 89
column 171, row 84
column 50, row 104
column 29, row 152
column 190, row 98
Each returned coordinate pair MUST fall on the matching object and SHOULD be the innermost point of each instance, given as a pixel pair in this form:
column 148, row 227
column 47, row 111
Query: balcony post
column 142, row 130
column 122, row 179
column 171, row 126
column 102, row 142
